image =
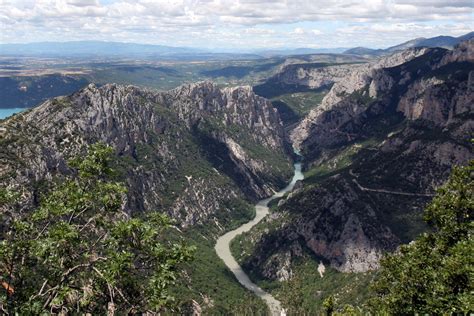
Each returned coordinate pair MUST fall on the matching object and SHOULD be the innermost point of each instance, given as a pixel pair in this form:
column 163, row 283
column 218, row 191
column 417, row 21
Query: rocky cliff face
column 191, row 152
column 231, row 106
column 375, row 150
column 330, row 221
column 368, row 78
column 436, row 98
column 312, row 75
column 419, row 88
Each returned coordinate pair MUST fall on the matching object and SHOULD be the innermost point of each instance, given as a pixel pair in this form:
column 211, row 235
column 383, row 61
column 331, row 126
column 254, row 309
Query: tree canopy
column 78, row 252
column 434, row 273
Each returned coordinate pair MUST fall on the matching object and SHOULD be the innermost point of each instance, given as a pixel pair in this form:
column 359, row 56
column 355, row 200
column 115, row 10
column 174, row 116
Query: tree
column 434, row 274
column 78, row 252
column 294, row 298
column 328, row 305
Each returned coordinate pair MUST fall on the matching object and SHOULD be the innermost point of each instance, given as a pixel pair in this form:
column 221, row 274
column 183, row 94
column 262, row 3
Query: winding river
column 223, row 245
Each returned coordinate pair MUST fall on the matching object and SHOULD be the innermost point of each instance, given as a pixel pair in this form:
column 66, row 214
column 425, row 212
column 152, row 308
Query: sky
column 235, row 24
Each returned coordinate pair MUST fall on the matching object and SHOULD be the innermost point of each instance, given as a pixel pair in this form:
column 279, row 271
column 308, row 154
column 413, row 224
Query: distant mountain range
column 87, row 48
column 79, row 48
column 118, row 49
column 438, row 41
column 133, row 50
column 300, row 51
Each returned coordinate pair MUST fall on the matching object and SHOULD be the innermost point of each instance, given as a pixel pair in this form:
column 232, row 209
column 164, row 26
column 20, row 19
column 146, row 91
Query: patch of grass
column 362, row 96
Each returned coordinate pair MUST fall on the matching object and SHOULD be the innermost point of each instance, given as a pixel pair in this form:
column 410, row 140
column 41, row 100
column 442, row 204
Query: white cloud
column 439, row 3
column 258, row 31
column 299, row 31
column 83, row 3
column 213, row 22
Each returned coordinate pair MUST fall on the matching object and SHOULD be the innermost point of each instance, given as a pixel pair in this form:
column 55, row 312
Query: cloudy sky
column 235, row 24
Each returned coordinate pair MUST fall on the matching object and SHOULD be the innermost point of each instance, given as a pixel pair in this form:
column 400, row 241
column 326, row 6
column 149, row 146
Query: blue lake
column 8, row 112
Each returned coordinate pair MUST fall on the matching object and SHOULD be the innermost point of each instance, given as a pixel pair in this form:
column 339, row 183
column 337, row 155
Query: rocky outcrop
column 228, row 106
column 368, row 79
column 354, row 77
column 190, row 151
column 464, row 52
column 433, row 99
column 278, row 267
column 418, row 86
column 312, row 75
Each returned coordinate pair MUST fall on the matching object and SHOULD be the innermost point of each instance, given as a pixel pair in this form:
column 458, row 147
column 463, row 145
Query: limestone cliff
column 191, row 152
column 368, row 78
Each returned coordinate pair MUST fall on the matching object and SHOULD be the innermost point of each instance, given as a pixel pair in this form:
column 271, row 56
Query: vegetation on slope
column 294, row 106
column 78, row 252
column 434, row 274
column 69, row 244
column 211, row 284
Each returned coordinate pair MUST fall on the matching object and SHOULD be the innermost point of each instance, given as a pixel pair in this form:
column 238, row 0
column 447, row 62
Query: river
column 223, row 245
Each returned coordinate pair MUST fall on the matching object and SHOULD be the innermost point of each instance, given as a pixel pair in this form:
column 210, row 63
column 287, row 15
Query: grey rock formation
column 312, row 76
column 333, row 224
column 232, row 106
column 358, row 77
column 189, row 152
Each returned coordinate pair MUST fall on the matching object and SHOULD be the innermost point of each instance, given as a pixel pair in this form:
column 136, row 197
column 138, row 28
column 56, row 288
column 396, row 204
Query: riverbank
column 223, row 245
